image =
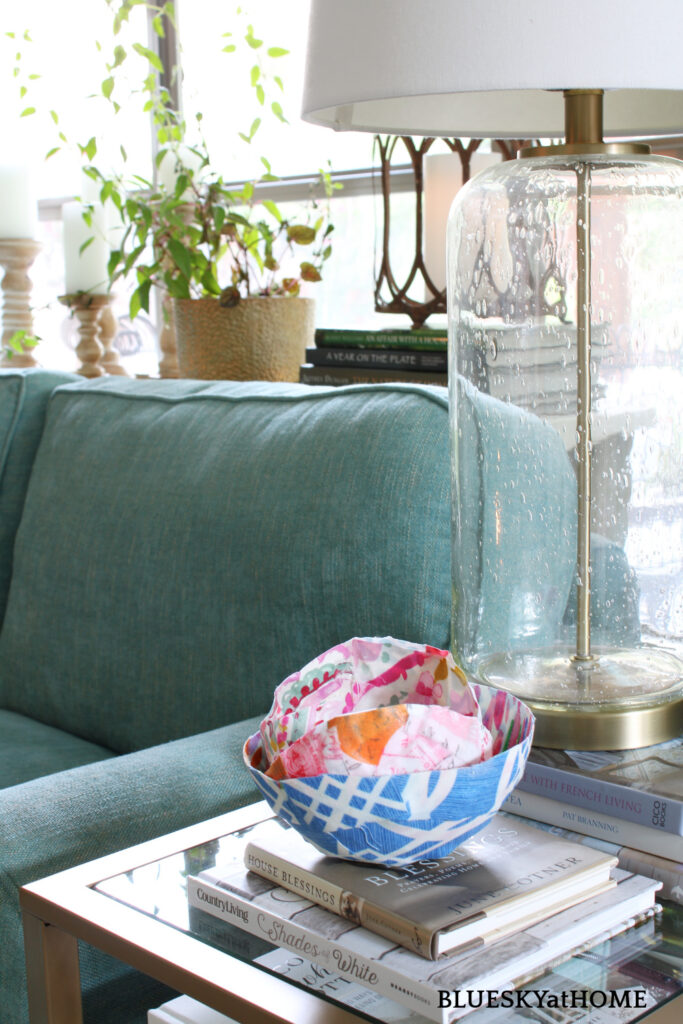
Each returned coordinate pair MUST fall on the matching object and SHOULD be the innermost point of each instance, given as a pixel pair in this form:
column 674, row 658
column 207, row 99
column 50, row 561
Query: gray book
column 508, row 875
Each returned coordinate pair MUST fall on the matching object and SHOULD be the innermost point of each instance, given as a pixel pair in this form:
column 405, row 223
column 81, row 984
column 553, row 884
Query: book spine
column 379, row 359
column 382, row 339
column 343, row 959
column 332, row 897
column 609, row 797
column 340, row 375
column 593, row 823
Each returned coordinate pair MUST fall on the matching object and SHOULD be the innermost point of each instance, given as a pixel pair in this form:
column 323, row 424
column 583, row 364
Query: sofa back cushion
column 184, row 546
column 24, row 395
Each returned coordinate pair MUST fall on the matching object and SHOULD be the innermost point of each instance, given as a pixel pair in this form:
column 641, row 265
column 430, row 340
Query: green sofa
column 169, row 551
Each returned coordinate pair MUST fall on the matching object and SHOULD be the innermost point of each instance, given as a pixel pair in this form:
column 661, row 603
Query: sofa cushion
column 514, row 540
column 30, row 749
column 186, row 545
column 55, row 822
column 24, row 394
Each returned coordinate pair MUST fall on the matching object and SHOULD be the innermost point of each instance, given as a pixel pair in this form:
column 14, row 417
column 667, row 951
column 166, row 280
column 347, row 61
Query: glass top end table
column 133, row 905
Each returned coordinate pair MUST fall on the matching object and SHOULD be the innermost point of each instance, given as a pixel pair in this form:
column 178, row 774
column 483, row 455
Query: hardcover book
column 340, row 375
column 643, row 786
column 594, row 823
column 441, row 990
column 392, row 337
column 507, row 874
column 379, row 358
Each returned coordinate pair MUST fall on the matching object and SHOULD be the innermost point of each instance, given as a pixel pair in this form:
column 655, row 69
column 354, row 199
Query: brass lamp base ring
column 620, row 700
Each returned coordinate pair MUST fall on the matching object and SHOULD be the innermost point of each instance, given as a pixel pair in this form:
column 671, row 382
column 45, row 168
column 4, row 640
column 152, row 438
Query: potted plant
column 230, row 263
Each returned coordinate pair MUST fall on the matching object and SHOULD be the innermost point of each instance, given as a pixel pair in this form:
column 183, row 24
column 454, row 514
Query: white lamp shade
column 493, row 68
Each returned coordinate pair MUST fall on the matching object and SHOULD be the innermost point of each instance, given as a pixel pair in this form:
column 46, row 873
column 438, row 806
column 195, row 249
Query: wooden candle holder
column 87, row 309
column 16, row 257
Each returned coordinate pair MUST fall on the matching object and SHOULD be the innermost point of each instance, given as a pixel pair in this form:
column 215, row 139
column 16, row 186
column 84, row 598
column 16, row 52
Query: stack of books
column 357, row 357
column 632, row 799
column 498, row 911
column 536, row 367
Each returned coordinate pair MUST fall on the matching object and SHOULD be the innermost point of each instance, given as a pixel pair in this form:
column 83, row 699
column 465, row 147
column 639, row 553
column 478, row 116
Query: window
column 71, row 62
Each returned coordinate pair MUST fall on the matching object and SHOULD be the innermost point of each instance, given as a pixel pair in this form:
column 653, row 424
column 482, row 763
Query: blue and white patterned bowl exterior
column 398, row 819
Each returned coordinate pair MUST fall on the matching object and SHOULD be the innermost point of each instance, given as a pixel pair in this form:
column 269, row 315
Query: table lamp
column 564, row 287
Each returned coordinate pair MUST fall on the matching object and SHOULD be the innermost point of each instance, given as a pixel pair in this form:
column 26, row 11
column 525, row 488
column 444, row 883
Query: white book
column 595, row 823
column 295, row 924
column 184, row 1010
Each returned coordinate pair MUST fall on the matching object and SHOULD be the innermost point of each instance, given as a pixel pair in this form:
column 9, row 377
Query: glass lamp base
column 620, row 699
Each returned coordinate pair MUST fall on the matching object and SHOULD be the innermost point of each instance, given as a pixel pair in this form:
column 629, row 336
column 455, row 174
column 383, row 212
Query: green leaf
column 22, row 91
column 51, row 152
column 55, row 116
column 278, row 82
column 255, row 74
column 150, row 55
column 272, row 208
column 276, row 51
column 181, row 257
column 107, row 87
column 119, row 56
column 277, row 110
column 85, row 245
column 27, row 111
column 218, row 217
column 260, row 94
column 230, row 48
column 209, row 282
column 90, row 148
column 301, row 234
column 252, row 40
column 177, row 287
column 309, row 272
column 143, row 292
column 135, row 304
column 158, row 26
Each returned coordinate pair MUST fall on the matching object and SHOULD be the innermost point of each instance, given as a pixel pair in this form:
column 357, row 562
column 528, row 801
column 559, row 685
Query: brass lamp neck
column 583, row 129
column 583, row 117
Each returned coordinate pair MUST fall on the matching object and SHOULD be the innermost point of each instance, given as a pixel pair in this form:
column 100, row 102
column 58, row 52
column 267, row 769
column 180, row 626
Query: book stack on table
column 629, row 799
column 357, row 357
column 498, row 911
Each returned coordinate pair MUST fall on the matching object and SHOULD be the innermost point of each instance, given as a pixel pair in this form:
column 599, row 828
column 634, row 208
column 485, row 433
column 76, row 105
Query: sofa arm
column 70, row 817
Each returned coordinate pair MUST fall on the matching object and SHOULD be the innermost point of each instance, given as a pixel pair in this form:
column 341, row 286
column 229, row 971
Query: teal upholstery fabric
column 514, row 535
column 205, row 540
column 49, row 824
column 29, row 749
column 615, row 597
column 23, row 399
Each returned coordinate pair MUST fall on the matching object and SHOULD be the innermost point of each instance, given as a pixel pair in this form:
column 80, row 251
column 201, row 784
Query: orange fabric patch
column 276, row 770
column 364, row 735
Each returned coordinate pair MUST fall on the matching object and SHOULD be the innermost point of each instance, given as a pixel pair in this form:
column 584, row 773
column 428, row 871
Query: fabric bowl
column 398, row 819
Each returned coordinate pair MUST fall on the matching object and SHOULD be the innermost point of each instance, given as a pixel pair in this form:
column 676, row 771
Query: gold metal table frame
column 63, row 908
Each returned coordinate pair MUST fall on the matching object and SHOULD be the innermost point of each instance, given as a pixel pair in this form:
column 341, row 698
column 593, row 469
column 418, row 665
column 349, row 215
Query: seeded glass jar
column 566, row 376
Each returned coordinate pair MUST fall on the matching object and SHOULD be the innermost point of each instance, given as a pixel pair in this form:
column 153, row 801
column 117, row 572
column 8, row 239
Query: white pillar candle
column 442, row 179
column 85, row 271
column 18, row 205
column 169, row 167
